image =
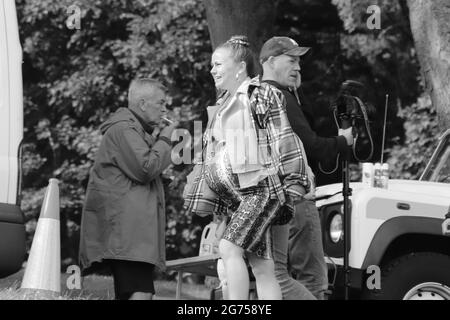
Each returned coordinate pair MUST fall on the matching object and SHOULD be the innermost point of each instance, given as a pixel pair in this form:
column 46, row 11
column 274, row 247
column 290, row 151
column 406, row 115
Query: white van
column 12, row 229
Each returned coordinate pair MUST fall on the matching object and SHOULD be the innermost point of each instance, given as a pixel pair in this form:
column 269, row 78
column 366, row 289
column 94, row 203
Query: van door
column 12, row 229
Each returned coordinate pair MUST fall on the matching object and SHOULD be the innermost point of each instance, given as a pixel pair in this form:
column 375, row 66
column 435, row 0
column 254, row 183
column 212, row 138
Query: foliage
column 408, row 160
column 391, row 54
column 343, row 47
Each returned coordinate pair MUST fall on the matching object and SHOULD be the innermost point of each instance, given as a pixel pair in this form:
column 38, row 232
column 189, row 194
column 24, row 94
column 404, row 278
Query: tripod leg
column 346, row 194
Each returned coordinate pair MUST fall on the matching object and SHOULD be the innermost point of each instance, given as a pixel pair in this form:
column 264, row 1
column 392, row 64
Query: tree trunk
column 430, row 24
column 252, row 18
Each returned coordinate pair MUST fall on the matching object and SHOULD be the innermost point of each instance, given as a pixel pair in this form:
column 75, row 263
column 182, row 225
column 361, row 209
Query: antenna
column 384, row 128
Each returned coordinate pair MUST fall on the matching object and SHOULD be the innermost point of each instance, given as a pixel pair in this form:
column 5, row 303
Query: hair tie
column 239, row 42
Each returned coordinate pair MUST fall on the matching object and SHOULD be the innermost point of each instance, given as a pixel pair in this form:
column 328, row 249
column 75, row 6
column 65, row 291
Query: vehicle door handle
column 403, row 206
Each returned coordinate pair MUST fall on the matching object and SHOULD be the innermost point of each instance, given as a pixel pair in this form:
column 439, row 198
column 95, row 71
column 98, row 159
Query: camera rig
column 350, row 111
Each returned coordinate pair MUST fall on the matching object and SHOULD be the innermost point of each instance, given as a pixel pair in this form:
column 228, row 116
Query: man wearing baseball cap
column 280, row 58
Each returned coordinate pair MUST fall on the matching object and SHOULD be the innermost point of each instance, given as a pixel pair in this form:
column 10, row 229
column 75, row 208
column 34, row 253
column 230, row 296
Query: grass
column 96, row 288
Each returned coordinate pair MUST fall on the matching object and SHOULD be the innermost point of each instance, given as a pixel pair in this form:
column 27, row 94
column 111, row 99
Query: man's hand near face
column 165, row 129
column 169, row 129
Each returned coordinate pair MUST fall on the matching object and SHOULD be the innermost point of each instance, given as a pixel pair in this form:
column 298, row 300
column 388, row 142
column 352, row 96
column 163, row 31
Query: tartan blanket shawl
column 281, row 148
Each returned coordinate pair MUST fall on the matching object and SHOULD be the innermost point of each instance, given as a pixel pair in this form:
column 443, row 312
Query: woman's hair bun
column 240, row 40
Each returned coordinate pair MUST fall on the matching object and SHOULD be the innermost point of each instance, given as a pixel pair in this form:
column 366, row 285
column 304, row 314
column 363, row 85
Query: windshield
column 438, row 170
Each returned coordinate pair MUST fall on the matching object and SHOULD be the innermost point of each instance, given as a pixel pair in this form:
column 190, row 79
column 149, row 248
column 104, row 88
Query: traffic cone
column 43, row 270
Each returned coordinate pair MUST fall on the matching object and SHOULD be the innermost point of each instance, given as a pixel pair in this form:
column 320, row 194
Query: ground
column 99, row 288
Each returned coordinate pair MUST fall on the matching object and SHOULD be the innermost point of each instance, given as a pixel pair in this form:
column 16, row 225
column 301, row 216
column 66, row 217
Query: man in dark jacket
column 280, row 57
column 123, row 221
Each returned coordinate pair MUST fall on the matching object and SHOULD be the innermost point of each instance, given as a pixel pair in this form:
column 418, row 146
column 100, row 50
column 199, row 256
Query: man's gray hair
column 138, row 89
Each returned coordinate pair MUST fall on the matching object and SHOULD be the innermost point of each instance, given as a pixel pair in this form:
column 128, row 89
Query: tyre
column 415, row 276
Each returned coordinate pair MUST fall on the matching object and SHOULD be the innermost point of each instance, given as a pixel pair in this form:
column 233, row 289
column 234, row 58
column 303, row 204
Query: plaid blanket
column 280, row 149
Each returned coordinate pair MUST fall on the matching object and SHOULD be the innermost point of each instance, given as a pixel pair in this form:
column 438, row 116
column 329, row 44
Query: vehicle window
column 444, row 173
column 440, row 171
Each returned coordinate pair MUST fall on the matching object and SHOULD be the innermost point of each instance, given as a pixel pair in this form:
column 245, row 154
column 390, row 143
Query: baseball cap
column 277, row 46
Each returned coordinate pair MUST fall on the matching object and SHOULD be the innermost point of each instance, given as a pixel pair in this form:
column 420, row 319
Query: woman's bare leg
column 236, row 270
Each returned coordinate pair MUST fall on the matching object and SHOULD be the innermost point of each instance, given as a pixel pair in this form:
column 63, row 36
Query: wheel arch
column 402, row 235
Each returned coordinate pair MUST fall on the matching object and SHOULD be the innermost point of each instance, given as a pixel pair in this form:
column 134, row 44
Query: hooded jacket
column 124, row 211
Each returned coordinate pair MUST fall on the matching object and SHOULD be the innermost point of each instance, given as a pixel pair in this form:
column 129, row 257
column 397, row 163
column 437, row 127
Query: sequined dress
column 251, row 210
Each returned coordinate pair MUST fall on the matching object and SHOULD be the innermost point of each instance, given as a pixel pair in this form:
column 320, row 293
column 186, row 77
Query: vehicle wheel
column 421, row 275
